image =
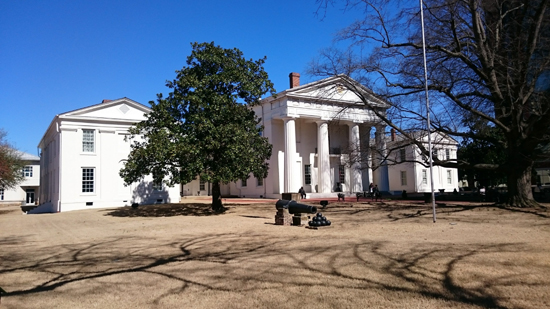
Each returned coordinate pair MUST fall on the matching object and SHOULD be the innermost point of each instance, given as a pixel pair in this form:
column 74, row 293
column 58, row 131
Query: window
column 1, row 194
column 27, row 171
column 202, row 184
column 342, row 174
column 449, row 176
column 87, row 180
column 424, row 177
column 243, row 182
column 447, row 154
column 157, row 185
column 434, row 153
column 88, row 141
column 307, row 174
column 403, row 178
column 402, row 155
column 260, row 182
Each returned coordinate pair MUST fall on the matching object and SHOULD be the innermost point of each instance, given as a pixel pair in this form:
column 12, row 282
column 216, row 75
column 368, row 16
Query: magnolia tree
column 205, row 127
column 488, row 74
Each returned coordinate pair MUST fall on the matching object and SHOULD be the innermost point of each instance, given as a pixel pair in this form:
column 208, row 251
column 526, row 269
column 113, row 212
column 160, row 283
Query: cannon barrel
column 295, row 207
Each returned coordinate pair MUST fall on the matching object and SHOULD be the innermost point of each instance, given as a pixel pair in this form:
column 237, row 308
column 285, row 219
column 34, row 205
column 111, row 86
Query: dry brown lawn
column 382, row 255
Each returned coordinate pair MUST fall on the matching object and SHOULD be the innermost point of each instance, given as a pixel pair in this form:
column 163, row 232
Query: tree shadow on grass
column 540, row 212
column 3, row 212
column 250, row 263
column 164, row 210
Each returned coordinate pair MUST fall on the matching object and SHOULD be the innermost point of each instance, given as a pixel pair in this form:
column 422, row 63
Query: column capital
column 351, row 123
column 286, row 118
column 380, row 127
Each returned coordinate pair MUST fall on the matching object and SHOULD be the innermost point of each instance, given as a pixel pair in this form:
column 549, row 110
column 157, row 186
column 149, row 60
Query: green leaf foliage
column 205, row 127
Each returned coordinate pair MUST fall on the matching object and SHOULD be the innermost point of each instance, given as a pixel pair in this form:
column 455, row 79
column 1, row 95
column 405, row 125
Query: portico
column 321, row 134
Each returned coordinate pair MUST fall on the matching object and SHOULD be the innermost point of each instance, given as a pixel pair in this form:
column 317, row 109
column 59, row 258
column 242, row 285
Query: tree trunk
column 217, row 197
column 519, row 183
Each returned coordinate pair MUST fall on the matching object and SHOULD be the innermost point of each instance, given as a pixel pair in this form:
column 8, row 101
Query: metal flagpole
column 427, row 110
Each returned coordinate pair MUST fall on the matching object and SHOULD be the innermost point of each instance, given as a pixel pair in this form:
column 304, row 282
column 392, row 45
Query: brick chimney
column 392, row 134
column 294, row 79
column 105, row 101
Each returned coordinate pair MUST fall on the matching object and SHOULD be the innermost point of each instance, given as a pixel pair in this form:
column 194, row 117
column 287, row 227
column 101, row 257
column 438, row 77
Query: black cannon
column 295, row 207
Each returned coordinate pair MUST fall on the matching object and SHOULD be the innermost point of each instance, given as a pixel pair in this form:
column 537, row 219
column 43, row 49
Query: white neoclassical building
column 316, row 130
column 82, row 152
column 326, row 141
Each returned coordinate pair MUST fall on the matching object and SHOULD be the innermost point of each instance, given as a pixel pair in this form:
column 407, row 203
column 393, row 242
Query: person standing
column 375, row 193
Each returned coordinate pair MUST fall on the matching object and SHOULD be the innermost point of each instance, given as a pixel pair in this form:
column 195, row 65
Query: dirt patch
column 375, row 255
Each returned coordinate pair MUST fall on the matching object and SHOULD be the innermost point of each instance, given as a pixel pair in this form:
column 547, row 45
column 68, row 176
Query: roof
column 419, row 135
column 349, row 83
column 77, row 113
column 27, row 156
column 102, row 104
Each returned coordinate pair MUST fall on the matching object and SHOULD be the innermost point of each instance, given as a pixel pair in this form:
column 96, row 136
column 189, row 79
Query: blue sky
column 57, row 56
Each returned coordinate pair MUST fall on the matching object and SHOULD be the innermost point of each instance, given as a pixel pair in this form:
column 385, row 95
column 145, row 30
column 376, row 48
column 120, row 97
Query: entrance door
column 30, row 196
column 297, row 177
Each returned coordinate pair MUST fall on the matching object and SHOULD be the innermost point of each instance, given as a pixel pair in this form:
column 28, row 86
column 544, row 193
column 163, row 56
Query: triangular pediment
column 336, row 89
column 122, row 109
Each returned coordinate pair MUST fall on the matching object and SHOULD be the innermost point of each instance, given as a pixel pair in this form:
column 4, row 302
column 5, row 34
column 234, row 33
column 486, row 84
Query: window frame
column 307, row 174
column 2, row 194
column 447, row 154
column 244, row 183
column 403, row 176
column 424, row 176
column 86, row 143
column 259, row 182
column 86, row 182
column 202, row 184
column 402, row 155
column 27, row 171
column 449, row 177
column 342, row 174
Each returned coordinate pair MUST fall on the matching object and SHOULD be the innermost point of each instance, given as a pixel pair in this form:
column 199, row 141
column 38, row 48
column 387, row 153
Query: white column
column 290, row 153
column 323, row 158
column 366, row 164
column 381, row 177
column 356, row 181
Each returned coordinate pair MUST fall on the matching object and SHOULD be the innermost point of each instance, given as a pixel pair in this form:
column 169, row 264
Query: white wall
column 109, row 191
column 439, row 173
column 19, row 193
column 63, row 159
